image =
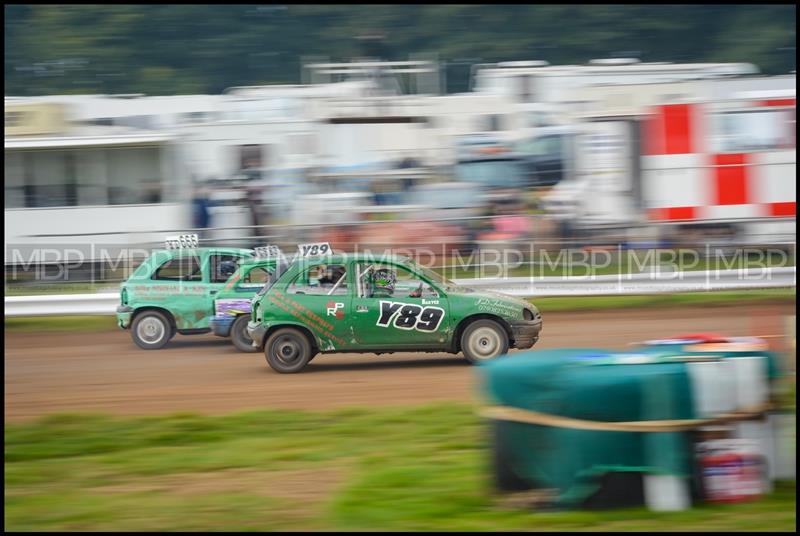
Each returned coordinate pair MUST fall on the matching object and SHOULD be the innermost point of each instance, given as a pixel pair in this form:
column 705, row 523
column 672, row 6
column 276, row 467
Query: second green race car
column 175, row 290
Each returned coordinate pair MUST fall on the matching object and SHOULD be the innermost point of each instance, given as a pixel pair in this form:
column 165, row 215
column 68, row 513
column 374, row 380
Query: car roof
column 337, row 258
column 259, row 260
column 224, row 250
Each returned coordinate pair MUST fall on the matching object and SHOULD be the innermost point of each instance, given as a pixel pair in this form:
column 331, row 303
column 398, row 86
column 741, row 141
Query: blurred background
column 446, row 127
column 487, row 140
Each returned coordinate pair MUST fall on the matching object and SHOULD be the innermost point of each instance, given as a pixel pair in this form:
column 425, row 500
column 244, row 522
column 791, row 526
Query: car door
column 413, row 314
column 178, row 286
column 318, row 297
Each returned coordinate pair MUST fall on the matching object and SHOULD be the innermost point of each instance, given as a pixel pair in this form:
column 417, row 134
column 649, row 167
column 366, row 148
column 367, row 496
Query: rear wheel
column 151, row 330
column 288, row 351
column 239, row 337
column 483, row 340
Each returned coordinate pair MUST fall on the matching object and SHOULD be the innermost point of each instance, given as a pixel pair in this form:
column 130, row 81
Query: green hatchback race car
column 175, row 289
column 363, row 303
column 233, row 303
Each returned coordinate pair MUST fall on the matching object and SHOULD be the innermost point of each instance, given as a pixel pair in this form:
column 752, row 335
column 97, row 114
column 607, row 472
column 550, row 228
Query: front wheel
column 239, row 337
column 484, row 340
column 288, row 351
column 151, row 330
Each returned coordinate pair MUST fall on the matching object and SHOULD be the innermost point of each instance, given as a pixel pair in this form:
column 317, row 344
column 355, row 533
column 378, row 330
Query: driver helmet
column 226, row 268
column 383, row 282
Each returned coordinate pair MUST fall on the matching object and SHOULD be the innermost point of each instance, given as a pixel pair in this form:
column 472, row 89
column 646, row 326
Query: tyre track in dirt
column 105, row 372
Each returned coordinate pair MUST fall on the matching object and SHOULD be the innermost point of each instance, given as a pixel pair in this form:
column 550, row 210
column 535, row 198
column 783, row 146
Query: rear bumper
column 221, row 325
column 526, row 333
column 256, row 331
column 124, row 314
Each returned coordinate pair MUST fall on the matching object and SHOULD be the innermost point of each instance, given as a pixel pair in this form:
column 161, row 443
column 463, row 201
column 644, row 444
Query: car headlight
column 527, row 314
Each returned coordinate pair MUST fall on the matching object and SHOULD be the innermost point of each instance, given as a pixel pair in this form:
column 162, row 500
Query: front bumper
column 221, row 325
column 124, row 314
column 526, row 333
column 256, row 331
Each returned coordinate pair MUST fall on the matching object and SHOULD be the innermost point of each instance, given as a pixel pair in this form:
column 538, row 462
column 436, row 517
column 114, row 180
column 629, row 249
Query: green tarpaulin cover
column 645, row 384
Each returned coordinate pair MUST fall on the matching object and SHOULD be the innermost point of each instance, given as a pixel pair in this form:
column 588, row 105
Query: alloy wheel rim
column 485, row 343
column 151, row 330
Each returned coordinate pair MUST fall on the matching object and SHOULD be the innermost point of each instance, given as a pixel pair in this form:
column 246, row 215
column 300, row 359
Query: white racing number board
column 311, row 250
column 267, row 252
column 182, row 241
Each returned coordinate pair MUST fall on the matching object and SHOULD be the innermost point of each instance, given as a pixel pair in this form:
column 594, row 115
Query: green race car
column 174, row 290
column 363, row 303
column 233, row 303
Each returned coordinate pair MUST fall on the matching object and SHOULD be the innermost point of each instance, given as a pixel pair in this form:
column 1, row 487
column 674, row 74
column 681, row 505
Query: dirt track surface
column 105, row 372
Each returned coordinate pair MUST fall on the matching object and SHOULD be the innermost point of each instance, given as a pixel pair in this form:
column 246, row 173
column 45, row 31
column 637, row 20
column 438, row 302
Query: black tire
column 151, row 330
column 484, row 340
column 288, row 350
column 239, row 337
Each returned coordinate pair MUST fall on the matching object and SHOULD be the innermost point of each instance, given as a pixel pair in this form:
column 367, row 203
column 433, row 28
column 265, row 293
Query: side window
column 386, row 280
column 255, row 278
column 320, row 280
column 223, row 267
column 179, row 269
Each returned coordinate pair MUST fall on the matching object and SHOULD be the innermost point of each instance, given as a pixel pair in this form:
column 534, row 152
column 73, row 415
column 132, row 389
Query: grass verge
column 61, row 323
column 694, row 299
column 401, row 469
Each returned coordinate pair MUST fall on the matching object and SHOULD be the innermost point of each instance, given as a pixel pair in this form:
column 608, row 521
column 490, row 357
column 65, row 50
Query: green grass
column 33, row 289
column 421, row 468
column 694, row 299
column 61, row 323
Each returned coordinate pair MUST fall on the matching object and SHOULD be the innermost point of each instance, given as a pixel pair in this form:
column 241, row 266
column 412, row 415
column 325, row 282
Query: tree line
column 183, row 49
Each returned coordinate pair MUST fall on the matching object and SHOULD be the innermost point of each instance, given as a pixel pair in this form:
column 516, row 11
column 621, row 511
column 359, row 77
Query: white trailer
column 700, row 153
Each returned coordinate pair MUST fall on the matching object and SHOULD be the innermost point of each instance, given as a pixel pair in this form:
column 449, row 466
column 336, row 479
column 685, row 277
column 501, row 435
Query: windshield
column 491, row 173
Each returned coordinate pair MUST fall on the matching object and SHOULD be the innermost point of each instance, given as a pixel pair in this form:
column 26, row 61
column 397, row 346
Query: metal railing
column 598, row 285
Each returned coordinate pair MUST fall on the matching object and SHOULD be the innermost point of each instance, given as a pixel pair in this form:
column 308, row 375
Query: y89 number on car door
column 410, row 316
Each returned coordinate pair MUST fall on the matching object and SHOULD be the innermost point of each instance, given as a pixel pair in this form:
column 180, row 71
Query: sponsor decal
column 333, row 309
column 496, row 306
column 410, row 316
column 169, row 290
column 232, row 307
column 307, row 317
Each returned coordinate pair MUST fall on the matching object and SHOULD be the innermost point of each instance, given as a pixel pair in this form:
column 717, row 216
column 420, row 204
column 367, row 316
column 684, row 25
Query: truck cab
column 488, row 162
